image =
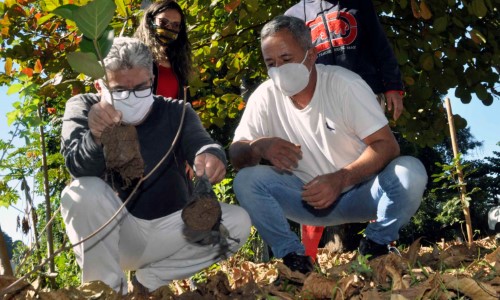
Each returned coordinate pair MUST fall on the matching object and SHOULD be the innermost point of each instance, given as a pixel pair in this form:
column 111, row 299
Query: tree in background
column 439, row 45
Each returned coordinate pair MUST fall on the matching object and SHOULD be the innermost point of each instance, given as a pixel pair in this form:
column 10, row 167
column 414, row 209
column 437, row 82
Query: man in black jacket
column 147, row 236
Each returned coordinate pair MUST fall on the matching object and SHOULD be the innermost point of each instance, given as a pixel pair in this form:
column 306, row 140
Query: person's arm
column 202, row 152
column 280, row 153
column 242, row 155
column 324, row 190
column 385, row 60
column 83, row 122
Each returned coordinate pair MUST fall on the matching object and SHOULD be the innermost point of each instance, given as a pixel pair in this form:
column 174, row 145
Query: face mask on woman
column 166, row 31
column 134, row 108
column 290, row 78
column 164, row 36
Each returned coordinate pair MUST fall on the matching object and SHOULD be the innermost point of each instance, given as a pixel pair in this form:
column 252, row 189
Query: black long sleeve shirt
column 166, row 190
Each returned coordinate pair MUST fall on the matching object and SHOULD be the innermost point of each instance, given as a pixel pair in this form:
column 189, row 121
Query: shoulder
column 295, row 10
column 264, row 91
column 163, row 105
column 81, row 102
column 337, row 73
column 88, row 98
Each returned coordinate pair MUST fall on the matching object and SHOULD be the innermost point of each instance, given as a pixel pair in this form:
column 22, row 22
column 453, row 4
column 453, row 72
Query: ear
column 313, row 53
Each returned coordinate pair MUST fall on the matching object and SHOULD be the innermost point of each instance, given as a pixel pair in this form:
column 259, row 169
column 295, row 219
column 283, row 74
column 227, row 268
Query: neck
column 302, row 99
column 164, row 62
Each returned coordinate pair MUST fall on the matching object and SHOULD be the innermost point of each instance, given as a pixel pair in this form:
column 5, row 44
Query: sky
column 484, row 122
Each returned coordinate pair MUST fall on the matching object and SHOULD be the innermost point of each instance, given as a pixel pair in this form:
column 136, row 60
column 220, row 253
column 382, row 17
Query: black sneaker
column 369, row 247
column 300, row 263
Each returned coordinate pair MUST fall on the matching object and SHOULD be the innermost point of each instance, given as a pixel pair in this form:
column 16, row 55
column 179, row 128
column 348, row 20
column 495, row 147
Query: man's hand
column 101, row 116
column 323, row 191
column 210, row 165
column 281, row 153
column 394, row 103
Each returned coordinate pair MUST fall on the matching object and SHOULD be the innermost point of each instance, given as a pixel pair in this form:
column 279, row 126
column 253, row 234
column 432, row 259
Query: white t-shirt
column 342, row 112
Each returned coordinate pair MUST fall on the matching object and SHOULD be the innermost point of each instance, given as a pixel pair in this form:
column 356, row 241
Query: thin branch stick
column 11, row 288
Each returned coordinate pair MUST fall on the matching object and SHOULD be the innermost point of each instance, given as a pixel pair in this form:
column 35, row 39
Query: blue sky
column 484, row 122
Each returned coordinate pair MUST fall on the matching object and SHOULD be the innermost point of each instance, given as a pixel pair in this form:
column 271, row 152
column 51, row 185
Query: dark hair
column 179, row 51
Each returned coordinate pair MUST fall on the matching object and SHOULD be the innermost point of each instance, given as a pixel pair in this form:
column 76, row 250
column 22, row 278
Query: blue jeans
column 390, row 197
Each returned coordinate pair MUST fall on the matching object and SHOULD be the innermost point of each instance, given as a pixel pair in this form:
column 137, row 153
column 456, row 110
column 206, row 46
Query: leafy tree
column 439, row 45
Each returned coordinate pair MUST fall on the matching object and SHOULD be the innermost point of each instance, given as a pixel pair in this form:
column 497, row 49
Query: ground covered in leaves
column 443, row 271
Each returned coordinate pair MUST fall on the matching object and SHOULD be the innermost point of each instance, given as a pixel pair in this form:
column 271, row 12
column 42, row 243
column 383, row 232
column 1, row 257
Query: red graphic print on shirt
column 342, row 28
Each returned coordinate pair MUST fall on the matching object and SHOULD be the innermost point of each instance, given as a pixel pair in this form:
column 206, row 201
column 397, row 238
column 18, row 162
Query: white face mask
column 290, row 78
column 133, row 109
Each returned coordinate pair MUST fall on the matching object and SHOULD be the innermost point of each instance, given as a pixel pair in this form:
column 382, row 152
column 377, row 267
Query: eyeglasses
column 163, row 22
column 142, row 92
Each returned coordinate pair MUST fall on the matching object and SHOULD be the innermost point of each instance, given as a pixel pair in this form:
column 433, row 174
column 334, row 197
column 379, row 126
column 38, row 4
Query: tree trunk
column 5, row 266
column 48, row 209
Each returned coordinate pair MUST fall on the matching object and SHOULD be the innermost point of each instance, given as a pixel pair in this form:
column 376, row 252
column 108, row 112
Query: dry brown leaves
column 447, row 270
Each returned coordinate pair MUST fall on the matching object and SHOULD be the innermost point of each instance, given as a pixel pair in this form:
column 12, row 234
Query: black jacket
column 348, row 33
column 166, row 190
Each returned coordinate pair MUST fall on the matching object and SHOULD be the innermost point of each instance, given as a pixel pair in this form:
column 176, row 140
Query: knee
column 237, row 221
column 246, row 178
column 83, row 192
column 412, row 171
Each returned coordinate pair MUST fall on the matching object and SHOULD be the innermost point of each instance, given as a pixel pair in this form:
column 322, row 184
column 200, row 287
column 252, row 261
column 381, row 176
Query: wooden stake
column 463, row 192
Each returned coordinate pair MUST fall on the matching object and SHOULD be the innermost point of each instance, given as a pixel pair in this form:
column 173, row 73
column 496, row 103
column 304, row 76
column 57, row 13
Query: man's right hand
column 101, row 116
column 280, row 153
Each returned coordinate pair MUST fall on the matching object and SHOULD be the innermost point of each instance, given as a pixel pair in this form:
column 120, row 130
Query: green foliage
column 448, row 178
column 445, row 45
column 224, row 191
column 361, row 267
column 92, row 20
column 68, row 272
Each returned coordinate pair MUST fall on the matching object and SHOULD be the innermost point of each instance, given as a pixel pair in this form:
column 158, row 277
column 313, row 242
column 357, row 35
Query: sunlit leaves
column 87, row 63
column 8, row 66
column 9, row 3
column 14, row 88
column 93, row 18
column 50, row 5
column 38, row 66
column 27, row 71
column 121, row 7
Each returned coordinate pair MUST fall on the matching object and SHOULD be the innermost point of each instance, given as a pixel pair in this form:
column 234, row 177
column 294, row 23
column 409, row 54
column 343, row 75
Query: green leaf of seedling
column 66, row 11
column 93, row 18
column 104, row 43
column 86, row 63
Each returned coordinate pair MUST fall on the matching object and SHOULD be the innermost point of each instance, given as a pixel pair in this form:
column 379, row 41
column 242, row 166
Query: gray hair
column 297, row 27
column 128, row 53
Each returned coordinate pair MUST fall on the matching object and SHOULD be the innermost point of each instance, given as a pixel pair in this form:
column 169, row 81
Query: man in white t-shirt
column 332, row 158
